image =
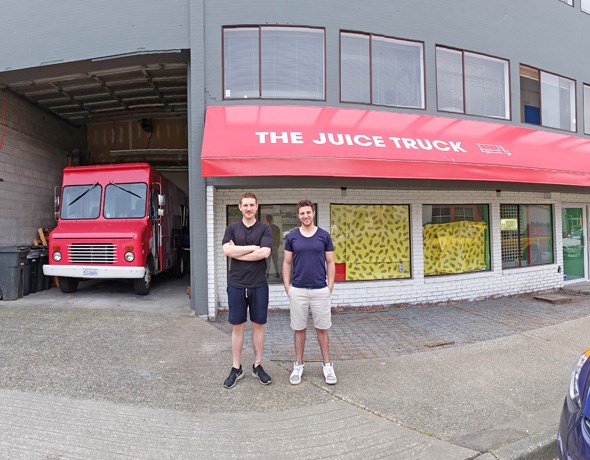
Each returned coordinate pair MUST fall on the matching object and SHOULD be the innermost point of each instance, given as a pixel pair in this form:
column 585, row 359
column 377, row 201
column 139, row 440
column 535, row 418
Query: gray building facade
column 76, row 78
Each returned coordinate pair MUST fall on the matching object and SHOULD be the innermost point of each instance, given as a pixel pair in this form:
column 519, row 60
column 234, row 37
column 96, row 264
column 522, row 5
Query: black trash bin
column 12, row 271
column 27, row 277
column 42, row 280
column 33, row 271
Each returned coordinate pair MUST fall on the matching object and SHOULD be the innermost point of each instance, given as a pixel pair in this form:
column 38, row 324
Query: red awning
column 325, row 141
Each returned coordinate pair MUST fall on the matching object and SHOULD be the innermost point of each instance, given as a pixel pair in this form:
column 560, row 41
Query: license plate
column 90, row 273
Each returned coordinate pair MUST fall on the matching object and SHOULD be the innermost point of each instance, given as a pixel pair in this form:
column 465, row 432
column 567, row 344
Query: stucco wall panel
column 35, row 33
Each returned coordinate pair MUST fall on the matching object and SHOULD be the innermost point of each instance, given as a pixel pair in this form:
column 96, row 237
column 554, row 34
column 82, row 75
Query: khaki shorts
column 303, row 300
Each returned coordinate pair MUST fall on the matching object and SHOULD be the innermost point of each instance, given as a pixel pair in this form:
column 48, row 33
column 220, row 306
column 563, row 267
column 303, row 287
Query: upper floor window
column 586, row 109
column 472, row 83
column 585, row 5
column 571, row 2
column 547, row 99
column 273, row 62
column 381, row 70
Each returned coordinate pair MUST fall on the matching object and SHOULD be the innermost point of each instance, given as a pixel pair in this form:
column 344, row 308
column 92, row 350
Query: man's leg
column 258, row 341
column 299, row 338
column 324, row 343
column 237, row 342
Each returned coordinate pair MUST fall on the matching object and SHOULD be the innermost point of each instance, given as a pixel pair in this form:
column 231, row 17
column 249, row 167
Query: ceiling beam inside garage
column 149, row 85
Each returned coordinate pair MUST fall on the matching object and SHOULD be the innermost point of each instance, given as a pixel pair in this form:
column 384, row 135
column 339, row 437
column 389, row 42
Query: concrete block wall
column 33, row 150
column 418, row 289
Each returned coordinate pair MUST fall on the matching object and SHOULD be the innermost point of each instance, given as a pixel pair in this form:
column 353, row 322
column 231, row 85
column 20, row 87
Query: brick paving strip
column 390, row 332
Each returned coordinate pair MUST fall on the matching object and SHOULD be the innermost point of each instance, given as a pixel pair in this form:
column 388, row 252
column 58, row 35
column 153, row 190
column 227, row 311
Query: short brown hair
column 303, row 204
column 248, row 195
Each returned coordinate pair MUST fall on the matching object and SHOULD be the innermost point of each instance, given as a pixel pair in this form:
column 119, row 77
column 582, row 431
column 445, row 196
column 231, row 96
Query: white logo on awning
column 494, row 149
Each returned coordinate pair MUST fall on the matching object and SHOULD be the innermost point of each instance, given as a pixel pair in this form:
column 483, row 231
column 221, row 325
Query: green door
column 574, row 249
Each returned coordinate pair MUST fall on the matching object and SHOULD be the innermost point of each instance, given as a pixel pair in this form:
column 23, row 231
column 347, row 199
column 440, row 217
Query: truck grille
column 92, row 253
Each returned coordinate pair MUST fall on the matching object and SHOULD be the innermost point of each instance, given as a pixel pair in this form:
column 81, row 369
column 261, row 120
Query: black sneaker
column 234, row 376
column 259, row 372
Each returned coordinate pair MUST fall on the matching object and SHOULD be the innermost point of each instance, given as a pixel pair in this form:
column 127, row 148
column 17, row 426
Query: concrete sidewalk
column 124, row 379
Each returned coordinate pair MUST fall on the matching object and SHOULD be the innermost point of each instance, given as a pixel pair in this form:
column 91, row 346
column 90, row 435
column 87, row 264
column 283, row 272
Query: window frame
column 370, row 37
column 259, row 28
column 261, row 216
column 551, row 226
column 481, row 210
column 490, row 57
column 402, row 267
column 586, row 107
column 540, row 72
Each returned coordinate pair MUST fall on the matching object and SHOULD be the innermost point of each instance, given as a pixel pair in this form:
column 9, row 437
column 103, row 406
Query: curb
column 540, row 446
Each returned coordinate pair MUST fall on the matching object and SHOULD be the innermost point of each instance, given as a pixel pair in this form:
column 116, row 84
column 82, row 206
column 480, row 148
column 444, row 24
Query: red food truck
column 121, row 221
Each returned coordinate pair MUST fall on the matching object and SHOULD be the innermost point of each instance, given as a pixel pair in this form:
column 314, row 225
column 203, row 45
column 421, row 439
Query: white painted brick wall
column 419, row 289
column 32, row 156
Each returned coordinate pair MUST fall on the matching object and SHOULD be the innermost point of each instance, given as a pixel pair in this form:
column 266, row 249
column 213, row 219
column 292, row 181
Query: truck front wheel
column 68, row 285
column 143, row 285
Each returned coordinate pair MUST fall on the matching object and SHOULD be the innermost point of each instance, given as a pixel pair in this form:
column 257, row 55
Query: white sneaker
column 329, row 373
column 295, row 378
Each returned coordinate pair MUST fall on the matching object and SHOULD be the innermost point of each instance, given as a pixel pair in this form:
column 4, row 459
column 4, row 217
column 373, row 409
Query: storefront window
column 527, row 235
column 282, row 218
column 456, row 238
column 371, row 242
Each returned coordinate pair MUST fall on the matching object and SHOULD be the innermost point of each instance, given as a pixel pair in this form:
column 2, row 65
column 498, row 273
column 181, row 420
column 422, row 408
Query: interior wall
column 33, row 149
column 158, row 141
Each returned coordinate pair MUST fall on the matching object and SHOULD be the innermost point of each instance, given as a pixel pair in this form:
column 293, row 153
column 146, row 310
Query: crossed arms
column 250, row 253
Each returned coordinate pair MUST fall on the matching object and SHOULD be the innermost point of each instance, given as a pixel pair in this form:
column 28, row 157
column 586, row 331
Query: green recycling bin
column 12, row 271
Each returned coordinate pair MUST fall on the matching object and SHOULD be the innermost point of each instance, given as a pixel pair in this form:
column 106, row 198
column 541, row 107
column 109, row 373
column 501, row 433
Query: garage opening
column 130, row 110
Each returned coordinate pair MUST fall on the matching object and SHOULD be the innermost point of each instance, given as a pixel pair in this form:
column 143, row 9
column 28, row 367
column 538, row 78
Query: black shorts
column 242, row 299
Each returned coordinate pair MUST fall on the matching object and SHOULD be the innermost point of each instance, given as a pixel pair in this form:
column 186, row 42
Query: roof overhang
column 326, row 141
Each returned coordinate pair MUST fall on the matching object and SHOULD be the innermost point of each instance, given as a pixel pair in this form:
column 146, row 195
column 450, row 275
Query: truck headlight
column 57, row 256
column 129, row 256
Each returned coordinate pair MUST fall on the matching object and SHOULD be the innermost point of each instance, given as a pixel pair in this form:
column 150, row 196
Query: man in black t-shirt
column 248, row 244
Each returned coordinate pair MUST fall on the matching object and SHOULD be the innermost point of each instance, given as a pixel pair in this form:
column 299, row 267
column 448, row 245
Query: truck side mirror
column 56, row 201
column 161, row 205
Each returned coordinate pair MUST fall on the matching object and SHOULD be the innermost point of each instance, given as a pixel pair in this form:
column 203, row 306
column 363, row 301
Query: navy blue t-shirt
column 245, row 274
column 309, row 258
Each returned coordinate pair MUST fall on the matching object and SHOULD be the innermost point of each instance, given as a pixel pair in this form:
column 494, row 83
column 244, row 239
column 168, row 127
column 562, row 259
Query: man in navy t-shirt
column 309, row 252
column 248, row 244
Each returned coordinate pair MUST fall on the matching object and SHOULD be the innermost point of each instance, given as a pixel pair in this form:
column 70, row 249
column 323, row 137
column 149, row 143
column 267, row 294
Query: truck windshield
column 123, row 201
column 81, row 201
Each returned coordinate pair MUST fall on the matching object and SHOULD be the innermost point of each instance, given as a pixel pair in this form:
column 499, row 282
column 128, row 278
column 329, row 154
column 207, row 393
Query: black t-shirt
column 245, row 274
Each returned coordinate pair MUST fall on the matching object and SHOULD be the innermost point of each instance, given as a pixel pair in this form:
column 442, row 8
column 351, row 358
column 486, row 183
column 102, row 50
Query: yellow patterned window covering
column 455, row 247
column 371, row 242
